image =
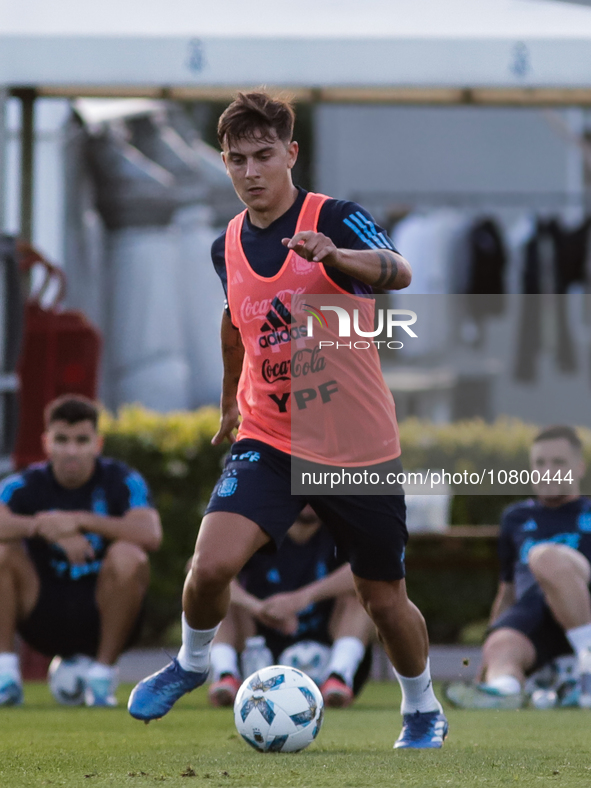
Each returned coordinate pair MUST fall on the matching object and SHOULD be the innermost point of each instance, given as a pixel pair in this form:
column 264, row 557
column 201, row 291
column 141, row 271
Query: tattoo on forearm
column 388, row 271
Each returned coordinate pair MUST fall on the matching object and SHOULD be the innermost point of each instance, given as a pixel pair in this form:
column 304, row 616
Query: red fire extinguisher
column 60, row 355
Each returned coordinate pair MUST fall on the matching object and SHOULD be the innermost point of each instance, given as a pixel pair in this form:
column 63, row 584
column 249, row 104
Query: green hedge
column 175, row 455
column 453, row 583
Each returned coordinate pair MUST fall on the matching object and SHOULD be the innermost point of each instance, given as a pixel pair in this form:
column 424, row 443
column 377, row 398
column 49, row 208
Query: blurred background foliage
column 452, row 581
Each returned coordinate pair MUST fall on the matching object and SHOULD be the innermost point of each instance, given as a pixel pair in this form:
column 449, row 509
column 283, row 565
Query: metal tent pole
column 27, row 97
column 3, row 154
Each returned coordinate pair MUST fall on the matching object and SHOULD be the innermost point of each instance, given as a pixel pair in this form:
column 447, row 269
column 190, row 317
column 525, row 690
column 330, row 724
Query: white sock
column 224, row 659
column 97, row 670
column 506, row 685
column 194, row 653
column 345, row 656
column 417, row 693
column 9, row 664
column 579, row 638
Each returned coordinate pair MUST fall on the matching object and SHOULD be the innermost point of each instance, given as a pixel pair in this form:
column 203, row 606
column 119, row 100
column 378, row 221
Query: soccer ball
column 67, row 679
column 278, row 709
column 310, row 657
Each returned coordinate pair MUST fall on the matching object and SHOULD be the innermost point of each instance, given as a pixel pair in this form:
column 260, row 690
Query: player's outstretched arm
column 381, row 268
column 233, row 357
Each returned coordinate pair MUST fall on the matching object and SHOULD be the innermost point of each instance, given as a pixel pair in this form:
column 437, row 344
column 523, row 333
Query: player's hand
column 52, row 526
column 229, row 421
column 77, row 548
column 314, row 247
column 280, row 611
column 287, row 625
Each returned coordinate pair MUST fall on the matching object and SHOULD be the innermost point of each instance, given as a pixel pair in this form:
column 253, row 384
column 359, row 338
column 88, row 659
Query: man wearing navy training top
column 288, row 242
column 74, row 537
column 543, row 605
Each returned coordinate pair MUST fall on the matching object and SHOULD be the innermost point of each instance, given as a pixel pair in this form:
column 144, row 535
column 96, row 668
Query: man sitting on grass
column 543, row 606
column 300, row 593
column 74, row 537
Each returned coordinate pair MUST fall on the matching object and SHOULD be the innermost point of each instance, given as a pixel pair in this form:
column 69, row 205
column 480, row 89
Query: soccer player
column 301, row 593
column 290, row 241
column 74, row 536
column 543, row 605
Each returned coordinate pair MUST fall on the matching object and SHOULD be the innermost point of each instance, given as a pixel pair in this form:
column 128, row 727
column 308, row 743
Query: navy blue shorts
column 369, row 530
column 66, row 619
column 531, row 616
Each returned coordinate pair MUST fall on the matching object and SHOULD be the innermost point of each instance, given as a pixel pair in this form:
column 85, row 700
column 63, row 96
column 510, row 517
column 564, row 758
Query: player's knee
column 210, row 572
column 549, row 561
column 381, row 599
column 127, row 561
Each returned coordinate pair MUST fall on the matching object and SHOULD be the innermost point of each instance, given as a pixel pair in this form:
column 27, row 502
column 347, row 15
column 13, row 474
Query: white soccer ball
column 310, row 657
column 67, row 679
column 278, row 709
column 544, row 699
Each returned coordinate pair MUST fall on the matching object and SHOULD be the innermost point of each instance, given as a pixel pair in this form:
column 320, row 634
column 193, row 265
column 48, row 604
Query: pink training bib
column 277, row 349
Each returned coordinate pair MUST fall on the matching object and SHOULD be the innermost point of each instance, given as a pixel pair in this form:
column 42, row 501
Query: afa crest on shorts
column 227, row 486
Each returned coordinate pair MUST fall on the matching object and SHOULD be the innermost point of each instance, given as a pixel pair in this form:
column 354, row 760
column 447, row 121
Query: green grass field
column 45, row 744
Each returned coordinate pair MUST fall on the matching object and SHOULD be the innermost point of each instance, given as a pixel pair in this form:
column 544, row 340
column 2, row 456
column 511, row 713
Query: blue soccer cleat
column 422, row 731
column 11, row 691
column 155, row 695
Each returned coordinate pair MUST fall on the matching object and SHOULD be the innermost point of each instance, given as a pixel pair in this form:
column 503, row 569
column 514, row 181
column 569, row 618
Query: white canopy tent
column 476, row 52
column 417, row 50
column 495, row 52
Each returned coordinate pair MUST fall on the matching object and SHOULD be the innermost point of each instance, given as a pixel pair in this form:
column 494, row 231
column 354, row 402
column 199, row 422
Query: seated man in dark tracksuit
column 543, row 605
column 74, row 536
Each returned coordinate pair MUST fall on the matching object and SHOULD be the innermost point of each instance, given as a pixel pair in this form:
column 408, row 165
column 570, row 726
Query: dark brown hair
column 256, row 115
column 71, row 408
column 560, row 431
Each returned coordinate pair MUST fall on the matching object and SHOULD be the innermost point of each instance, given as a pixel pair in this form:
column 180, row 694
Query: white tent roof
column 285, row 19
column 195, row 46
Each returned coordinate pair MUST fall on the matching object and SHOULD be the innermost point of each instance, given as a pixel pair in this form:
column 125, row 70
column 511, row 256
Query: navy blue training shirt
column 528, row 523
column 290, row 568
column 346, row 223
column 112, row 490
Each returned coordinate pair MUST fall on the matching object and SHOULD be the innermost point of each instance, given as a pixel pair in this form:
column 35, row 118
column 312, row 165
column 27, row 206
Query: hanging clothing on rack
column 485, row 279
column 488, row 260
column 555, row 259
column 571, row 249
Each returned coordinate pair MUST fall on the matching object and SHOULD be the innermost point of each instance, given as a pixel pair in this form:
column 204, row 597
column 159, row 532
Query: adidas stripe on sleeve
column 351, row 227
column 139, row 495
column 9, row 486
